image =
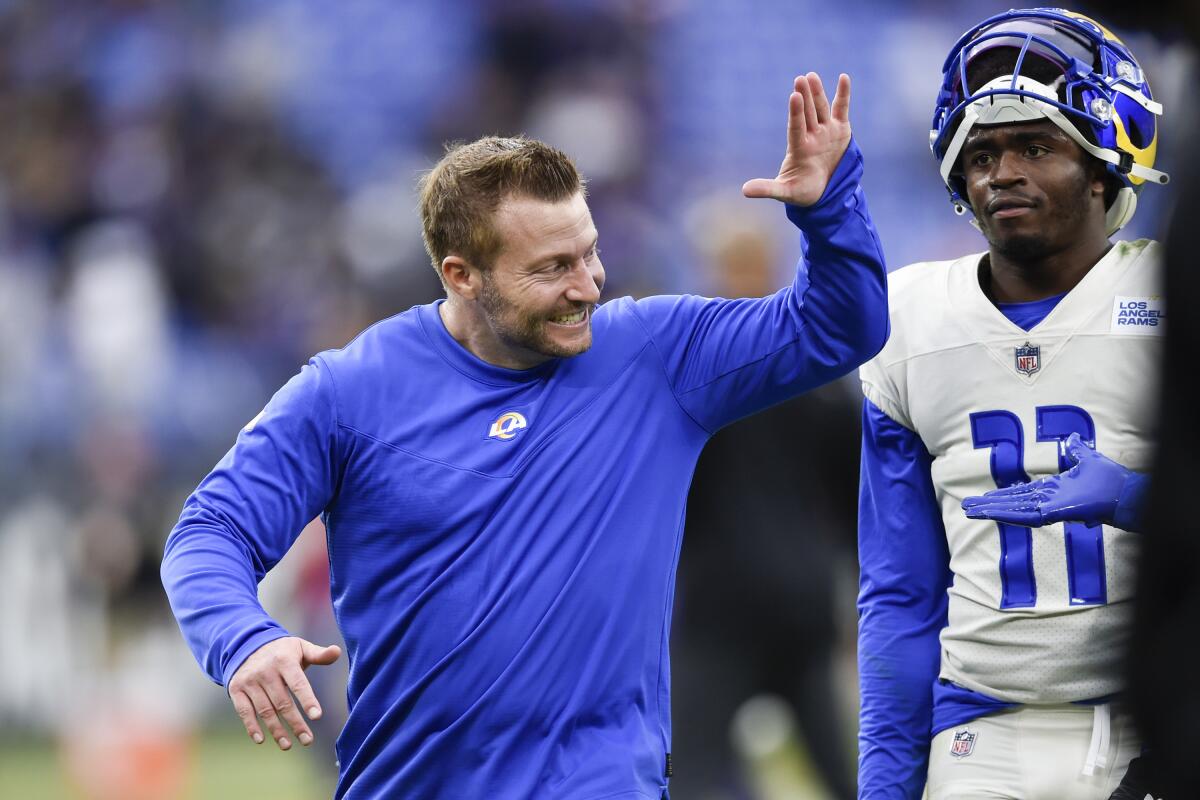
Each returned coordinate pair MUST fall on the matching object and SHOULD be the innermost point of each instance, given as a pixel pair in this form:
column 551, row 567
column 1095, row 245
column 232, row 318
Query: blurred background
column 197, row 196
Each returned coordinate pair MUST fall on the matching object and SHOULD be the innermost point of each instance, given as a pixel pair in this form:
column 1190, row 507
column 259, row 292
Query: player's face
column 1034, row 190
column 540, row 292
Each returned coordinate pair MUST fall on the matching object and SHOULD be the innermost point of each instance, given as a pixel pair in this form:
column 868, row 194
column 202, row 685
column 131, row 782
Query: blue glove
column 1096, row 490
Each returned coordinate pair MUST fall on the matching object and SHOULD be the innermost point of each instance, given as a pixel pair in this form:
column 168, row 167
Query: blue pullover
column 506, row 602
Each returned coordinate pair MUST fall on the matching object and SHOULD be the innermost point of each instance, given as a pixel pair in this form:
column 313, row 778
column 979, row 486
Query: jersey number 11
column 1001, row 432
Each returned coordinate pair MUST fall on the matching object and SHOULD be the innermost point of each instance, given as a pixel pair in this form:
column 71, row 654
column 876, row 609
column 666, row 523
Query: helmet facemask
column 1026, row 66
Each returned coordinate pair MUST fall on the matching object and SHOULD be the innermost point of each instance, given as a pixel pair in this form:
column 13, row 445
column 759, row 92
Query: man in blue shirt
column 503, row 477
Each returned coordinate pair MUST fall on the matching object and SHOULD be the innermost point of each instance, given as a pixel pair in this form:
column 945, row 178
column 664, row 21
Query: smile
column 571, row 320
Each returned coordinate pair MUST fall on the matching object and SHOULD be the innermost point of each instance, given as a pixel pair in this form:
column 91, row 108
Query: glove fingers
column 1076, row 448
column 1026, row 514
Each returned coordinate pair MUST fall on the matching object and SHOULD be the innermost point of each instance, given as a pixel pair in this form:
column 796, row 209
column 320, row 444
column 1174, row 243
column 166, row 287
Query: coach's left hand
column 1095, row 490
column 817, row 136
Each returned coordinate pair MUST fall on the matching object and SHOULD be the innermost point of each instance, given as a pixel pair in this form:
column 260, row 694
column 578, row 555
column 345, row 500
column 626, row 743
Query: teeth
column 569, row 319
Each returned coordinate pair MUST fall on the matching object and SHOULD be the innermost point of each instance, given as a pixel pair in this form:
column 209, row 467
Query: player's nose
column 1007, row 169
column 586, row 283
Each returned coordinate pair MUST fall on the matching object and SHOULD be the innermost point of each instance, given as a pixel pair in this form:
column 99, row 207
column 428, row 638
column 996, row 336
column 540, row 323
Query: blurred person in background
column 504, row 593
column 770, row 528
column 989, row 651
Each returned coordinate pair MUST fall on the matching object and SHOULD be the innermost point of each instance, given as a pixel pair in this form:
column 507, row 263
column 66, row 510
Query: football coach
column 503, row 475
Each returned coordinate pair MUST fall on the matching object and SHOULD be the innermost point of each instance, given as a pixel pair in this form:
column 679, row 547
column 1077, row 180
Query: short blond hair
column 460, row 195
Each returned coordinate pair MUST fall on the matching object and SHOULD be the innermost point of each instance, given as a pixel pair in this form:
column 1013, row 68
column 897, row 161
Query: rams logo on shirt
column 507, row 425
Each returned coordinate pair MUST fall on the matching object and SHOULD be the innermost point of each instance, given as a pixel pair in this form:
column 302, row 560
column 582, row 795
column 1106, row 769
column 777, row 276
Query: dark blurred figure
column 771, row 516
column 1165, row 650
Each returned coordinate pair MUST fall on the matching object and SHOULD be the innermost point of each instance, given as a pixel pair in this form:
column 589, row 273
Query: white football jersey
column 1035, row 615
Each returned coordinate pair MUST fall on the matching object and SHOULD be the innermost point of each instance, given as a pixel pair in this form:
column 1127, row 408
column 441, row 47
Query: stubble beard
column 519, row 328
column 1066, row 218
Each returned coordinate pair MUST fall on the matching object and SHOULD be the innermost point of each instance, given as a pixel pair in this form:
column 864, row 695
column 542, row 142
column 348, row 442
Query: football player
column 989, row 651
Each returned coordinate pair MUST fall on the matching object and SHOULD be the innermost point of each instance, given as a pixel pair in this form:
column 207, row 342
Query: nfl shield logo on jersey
column 1028, row 359
column 963, row 744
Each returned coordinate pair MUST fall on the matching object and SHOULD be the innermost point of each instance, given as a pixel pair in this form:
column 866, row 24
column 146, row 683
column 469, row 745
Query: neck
column 1006, row 279
column 470, row 329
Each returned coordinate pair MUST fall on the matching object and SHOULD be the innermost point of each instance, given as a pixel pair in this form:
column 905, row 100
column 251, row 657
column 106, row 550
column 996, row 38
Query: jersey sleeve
column 726, row 359
column 904, row 571
column 280, row 474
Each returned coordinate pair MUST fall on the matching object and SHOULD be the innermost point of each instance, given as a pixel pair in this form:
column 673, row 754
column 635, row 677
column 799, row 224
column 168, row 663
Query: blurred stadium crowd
column 196, row 196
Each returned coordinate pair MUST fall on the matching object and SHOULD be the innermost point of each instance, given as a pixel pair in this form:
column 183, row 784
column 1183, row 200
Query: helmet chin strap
column 1007, row 107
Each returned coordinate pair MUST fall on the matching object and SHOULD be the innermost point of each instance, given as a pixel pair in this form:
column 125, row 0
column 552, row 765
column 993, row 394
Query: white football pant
column 1059, row 752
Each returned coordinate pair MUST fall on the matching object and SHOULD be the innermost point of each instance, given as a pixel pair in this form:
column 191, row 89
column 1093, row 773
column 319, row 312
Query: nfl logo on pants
column 1028, row 361
column 963, row 744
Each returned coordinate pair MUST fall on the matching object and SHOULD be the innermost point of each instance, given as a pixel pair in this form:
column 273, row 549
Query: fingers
column 245, row 710
column 797, row 127
column 811, row 123
column 316, row 654
column 1041, row 488
column 265, row 710
column 293, row 676
column 760, row 187
column 1076, row 448
column 819, row 100
column 285, row 707
column 1028, row 515
column 262, row 688
column 841, row 99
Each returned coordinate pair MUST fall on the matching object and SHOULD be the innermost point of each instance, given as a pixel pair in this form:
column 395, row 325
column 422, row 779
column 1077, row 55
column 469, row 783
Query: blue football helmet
column 1049, row 63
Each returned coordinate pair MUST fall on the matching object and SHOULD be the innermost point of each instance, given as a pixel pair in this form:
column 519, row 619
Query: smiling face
column 1035, row 192
column 538, row 295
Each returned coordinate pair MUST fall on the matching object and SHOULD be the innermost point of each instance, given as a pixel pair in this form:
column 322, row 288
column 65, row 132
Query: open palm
column 817, row 136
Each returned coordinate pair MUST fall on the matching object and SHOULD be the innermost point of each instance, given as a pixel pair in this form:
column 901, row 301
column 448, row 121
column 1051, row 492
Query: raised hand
column 1095, row 490
column 263, row 686
column 817, row 136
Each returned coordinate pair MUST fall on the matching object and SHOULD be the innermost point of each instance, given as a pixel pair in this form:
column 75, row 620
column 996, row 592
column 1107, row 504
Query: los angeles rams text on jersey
column 1041, row 615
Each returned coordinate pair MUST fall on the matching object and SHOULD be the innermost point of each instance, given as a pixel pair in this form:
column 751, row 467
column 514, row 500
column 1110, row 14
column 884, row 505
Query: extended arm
column 1095, row 490
column 904, row 572
column 728, row 358
column 238, row 523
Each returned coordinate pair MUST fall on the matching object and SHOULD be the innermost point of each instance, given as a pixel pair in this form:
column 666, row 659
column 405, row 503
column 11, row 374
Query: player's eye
column 980, row 159
column 593, row 254
column 1035, row 150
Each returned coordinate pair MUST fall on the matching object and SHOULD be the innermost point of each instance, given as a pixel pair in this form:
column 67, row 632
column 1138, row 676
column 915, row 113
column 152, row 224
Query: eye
column 980, row 159
column 593, row 254
column 1036, row 150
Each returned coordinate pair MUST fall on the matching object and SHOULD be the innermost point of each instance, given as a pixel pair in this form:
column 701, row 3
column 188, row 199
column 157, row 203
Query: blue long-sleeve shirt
column 506, row 602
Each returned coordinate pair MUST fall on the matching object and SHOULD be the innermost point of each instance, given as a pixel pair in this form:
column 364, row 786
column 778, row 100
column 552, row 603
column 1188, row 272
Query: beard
column 525, row 328
column 1023, row 247
column 1062, row 219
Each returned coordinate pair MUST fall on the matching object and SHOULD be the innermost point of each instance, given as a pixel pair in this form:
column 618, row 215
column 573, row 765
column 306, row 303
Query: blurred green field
column 127, row 764
column 212, row 766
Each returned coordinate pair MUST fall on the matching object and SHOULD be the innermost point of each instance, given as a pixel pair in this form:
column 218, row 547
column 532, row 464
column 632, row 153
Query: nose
column 1007, row 170
column 586, row 282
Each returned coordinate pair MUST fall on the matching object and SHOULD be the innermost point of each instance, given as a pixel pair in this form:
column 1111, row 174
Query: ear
column 1099, row 178
column 460, row 277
